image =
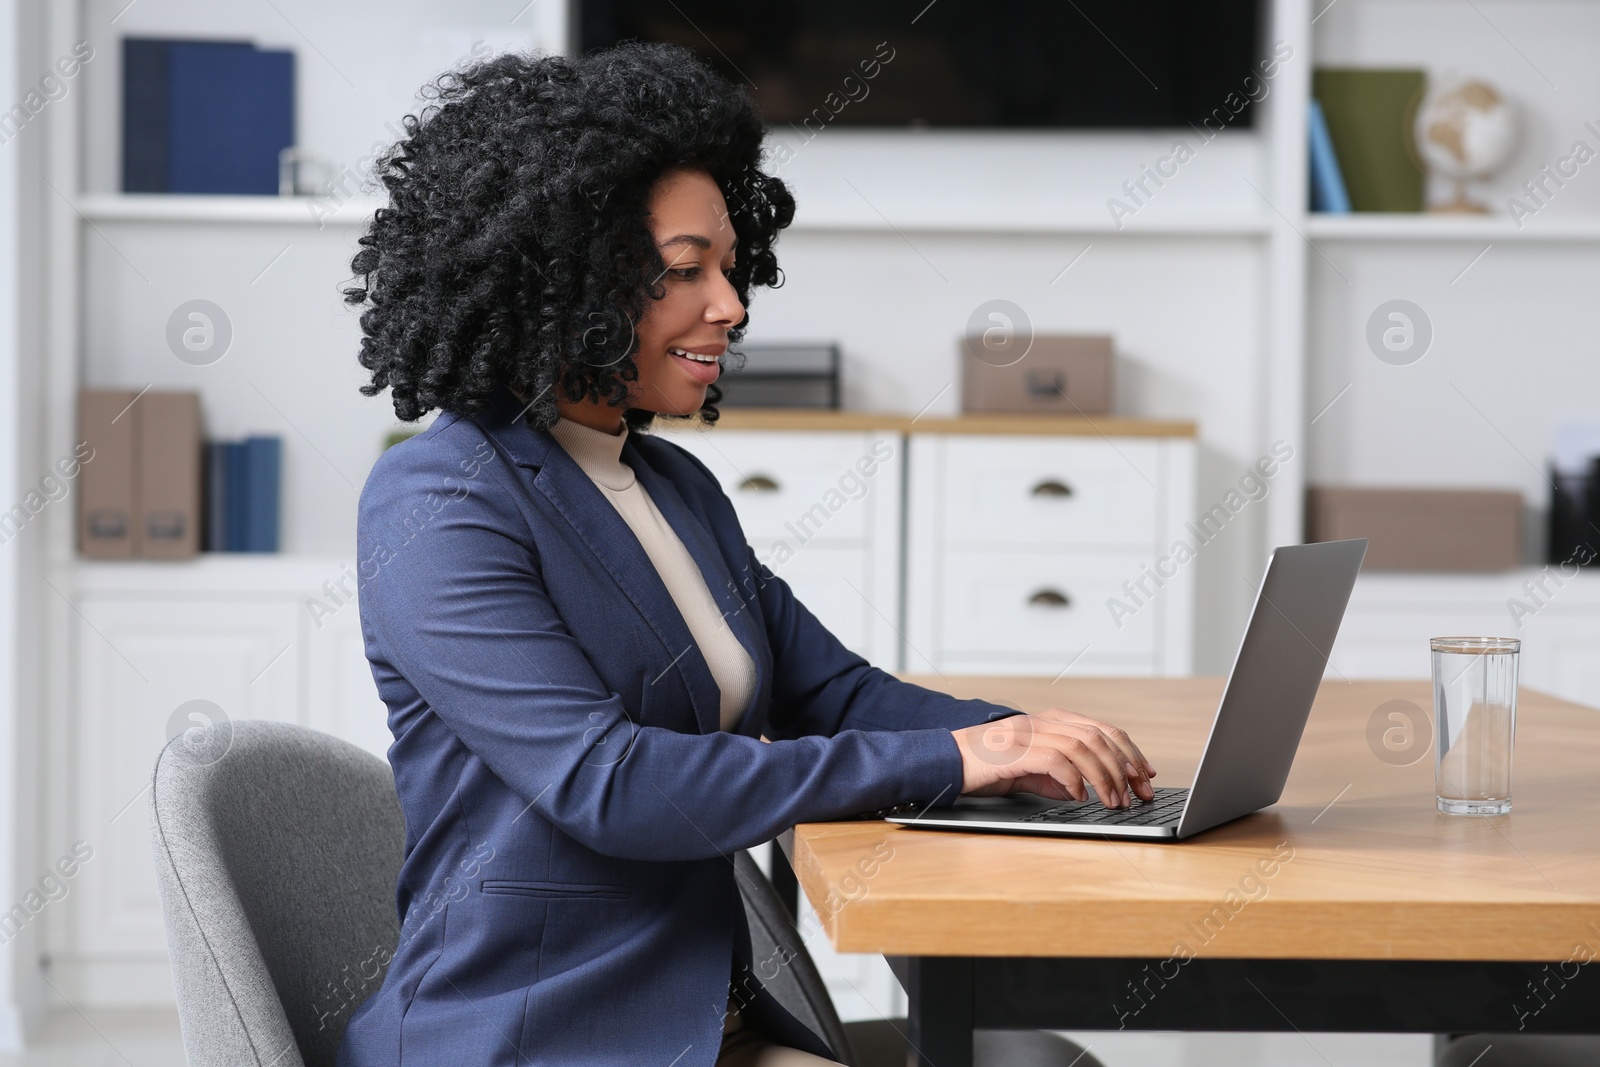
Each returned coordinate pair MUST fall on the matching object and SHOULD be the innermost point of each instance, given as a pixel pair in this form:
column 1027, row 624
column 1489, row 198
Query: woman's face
column 689, row 220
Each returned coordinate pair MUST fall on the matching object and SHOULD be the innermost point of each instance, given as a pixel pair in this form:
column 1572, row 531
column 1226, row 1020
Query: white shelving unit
column 288, row 211
column 1233, row 306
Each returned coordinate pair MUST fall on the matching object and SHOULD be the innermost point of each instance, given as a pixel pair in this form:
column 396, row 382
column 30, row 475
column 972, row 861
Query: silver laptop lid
column 1274, row 680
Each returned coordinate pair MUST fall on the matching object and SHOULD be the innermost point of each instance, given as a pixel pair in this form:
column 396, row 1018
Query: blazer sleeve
column 452, row 596
column 821, row 687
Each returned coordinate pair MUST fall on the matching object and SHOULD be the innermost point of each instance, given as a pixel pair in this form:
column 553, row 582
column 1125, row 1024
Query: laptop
column 1257, row 728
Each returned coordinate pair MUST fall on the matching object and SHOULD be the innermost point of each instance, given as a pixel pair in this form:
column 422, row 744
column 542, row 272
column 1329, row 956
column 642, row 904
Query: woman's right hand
column 1059, row 755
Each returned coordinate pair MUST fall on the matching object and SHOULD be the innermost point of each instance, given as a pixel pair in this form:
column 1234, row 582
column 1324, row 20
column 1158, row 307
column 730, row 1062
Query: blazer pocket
column 555, row 889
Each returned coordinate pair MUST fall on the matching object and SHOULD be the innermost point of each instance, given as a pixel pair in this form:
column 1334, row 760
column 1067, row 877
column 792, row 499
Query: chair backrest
column 277, row 851
column 797, row 986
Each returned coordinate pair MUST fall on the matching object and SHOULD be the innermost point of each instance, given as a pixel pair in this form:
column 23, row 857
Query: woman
column 581, row 657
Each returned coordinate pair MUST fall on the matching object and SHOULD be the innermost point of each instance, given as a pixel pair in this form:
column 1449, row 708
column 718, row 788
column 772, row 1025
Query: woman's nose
column 725, row 308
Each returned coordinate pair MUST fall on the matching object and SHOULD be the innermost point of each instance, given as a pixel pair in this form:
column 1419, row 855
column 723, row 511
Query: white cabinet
column 156, row 648
column 1038, row 554
column 142, row 662
column 821, row 508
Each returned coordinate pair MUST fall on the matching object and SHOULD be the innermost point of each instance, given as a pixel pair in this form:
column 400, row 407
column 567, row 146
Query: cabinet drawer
column 796, row 486
column 1041, row 603
column 1050, row 491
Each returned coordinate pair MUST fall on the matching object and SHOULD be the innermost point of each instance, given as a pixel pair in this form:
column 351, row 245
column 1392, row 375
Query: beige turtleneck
column 599, row 454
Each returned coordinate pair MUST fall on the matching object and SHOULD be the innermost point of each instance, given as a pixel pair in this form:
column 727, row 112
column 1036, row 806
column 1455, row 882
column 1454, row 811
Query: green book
column 1370, row 116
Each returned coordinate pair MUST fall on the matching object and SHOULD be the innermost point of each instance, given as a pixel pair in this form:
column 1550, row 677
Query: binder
column 216, row 496
column 230, row 112
column 263, row 463
column 167, row 497
column 106, row 486
column 204, row 116
column 237, row 515
column 144, row 115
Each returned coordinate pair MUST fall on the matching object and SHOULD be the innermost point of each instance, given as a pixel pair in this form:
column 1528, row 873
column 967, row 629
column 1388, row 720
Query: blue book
column 216, row 493
column 1327, row 182
column 263, row 465
column 237, row 497
column 230, row 111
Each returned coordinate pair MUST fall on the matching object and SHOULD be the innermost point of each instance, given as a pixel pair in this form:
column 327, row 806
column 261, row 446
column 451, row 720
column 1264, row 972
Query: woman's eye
column 687, row 273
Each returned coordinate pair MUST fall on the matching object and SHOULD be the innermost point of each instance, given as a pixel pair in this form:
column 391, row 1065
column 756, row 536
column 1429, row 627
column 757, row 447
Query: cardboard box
column 1422, row 529
column 107, row 489
column 139, row 495
column 1061, row 374
column 168, row 450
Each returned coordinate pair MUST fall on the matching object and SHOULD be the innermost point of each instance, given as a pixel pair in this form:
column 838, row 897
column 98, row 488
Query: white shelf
column 1186, row 225
column 282, row 210
column 236, row 572
column 1376, row 226
column 311, row 211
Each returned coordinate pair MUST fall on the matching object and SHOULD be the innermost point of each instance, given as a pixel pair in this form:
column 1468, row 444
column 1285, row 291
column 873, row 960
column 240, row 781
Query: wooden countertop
column 1376, row 872
column 829, row 419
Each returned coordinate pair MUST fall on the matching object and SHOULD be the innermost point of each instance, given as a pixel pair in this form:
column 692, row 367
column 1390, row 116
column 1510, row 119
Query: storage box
column 1063, row 373
column 797, row 375
column 1422, row 529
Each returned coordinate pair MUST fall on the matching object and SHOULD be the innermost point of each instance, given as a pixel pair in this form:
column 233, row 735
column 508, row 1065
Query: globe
column 1466, row 131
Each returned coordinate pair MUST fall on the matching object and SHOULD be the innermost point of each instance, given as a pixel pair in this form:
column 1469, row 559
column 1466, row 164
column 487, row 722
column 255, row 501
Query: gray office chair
column 277, row 850
column 880, row 1042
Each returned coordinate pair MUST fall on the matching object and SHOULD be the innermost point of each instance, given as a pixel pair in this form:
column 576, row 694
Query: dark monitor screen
column 964, row 63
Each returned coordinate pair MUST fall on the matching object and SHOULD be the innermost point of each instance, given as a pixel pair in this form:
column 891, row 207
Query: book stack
column 242, row 480
column 204, row 116
column 156, row 490
column 1362, row 154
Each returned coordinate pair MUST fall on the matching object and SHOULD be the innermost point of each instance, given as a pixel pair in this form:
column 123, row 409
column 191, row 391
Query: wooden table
column 1351, row 905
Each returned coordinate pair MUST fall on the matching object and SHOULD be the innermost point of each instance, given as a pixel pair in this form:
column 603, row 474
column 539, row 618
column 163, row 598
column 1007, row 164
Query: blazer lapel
column 697, row 539
column 571, row 493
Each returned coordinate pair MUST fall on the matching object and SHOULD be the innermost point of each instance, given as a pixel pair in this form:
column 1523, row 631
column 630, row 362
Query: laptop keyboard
column 1166, row 807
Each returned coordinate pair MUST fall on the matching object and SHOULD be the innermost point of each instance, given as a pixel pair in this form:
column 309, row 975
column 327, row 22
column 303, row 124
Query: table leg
column 939, row 992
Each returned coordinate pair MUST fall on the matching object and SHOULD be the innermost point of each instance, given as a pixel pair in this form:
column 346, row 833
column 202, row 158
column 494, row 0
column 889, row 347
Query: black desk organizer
column 783, row 376
column 1575, row 516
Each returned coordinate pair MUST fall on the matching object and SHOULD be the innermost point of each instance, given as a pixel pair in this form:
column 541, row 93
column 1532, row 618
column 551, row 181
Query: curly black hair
column 514, row 249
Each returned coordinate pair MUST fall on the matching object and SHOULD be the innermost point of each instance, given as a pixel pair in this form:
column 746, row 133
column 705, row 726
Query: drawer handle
column 1049, row 598
column 758, row 483
column 1051, row 487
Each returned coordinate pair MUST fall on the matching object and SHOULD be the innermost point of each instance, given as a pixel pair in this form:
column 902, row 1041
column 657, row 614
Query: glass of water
column 1474, row 715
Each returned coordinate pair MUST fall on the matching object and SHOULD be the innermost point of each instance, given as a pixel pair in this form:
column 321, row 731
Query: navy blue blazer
column 571, row 804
